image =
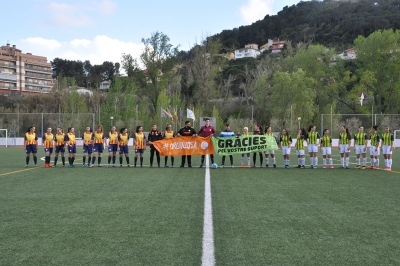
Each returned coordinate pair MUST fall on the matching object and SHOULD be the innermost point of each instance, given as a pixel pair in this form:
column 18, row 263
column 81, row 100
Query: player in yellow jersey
column 313, row 144
column 123, row 139
column 344, row 146
column 112, row 145
column 301, row 137
column 326, row 148
column 374, row 147
column 168, row 134
column 140, row 144
column 360, row 147
column 48, row 143
column 285, row 143
column 30, row 145
column 98, row 147
column 71, row 143
column 268, row 132
column 387, row 147
column 245, row 133
column 87, row 145
column 60, row 139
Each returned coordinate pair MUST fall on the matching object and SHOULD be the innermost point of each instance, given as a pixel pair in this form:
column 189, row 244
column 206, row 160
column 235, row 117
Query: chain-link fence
column 334, row 122
column 18, row 123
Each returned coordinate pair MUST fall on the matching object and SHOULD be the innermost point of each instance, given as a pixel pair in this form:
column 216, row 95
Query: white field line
column 208, row 258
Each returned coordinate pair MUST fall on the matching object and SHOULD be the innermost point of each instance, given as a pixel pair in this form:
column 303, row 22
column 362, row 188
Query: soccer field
column 154, row 216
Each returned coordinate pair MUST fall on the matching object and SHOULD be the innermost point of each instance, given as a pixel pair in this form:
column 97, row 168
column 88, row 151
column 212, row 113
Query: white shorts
column 344, row 148
column 269, row 152
column 386, row 149
column 374, row 151
column 326, row 151
column 360, row 149
column 285, row 150
column 300, row 152
column 312, row 148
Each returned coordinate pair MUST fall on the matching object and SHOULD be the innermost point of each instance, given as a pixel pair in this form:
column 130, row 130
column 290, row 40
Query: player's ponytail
column 348, row 133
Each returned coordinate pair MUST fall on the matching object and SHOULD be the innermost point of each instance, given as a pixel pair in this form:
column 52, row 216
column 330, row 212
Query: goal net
column 4, row 137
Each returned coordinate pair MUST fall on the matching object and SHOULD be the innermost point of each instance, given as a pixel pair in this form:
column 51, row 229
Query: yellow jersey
column 123, row 139
column 87, row 138
column 48, row 140
column 71, row 139
column 140, row 141
column 98, row 137
column 113, row 137
column 30, row 138
column 60, row 139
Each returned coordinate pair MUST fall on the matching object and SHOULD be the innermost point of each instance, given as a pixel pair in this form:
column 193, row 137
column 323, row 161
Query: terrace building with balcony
column 23, row 72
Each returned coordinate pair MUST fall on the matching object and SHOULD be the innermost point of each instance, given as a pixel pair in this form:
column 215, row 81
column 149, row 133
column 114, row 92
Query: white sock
column 299, row 161
column 248, row 160
column 347, row 161
column 372, row 162
column 330, row 161
column 315, row 161
column 311, row 161
column 273, row 160
column 266, row 160
column 365, row 161
column 342, row 161
column 324, row 161
column 386, row 162
column 390, row 163
column 358, row 161
column 377, row 162
column 241, row 160
column 288, row 162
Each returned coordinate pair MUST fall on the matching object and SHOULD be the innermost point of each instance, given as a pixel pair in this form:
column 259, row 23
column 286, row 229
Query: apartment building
column 24, row 73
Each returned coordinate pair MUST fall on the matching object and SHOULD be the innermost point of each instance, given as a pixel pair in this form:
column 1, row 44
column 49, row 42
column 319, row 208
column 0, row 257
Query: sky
column 102, row 30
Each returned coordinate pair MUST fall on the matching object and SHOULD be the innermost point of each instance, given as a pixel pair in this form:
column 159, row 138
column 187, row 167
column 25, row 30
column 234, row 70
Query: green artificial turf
column 154, row 216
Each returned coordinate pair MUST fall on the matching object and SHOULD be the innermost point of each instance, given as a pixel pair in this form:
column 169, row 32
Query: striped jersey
column 87, row 138
column 300, row 143
column 71, row 138
column 98, row 137
column 30, row 138
column 360, row 138
column 140, row 140
column 387, row 138
column 48, row 140
column 326, row 141
column 168, row 135
column 343, row 138
column 123, row 139
column 113, row 137
column 374, row 139
column 60, row 139
column 313, row 136
column 285, row 140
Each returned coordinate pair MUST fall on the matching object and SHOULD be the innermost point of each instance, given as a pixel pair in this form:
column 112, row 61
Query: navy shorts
column 48, row 150
column 98, row 147
column 31, row 148
column 141, row 151
column 123, row 149
column 60, row 149
column 72, row 149
column 112, row 148
column 88, row 149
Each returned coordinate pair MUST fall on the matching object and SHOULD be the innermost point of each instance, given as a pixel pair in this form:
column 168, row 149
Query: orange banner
column 184, row 146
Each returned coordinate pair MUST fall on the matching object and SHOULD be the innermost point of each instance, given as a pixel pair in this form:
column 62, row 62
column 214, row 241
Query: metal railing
column 38, row 76
column 8, row 65
column 38, row 83
column 38, row 69
column 8, row 76
column 8, row 88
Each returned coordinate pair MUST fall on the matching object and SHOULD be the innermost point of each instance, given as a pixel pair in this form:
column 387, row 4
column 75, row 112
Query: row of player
column 94, row 143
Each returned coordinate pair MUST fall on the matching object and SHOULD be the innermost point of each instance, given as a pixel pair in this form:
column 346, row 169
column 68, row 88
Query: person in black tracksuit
column 187, row 131
column 154, row 135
